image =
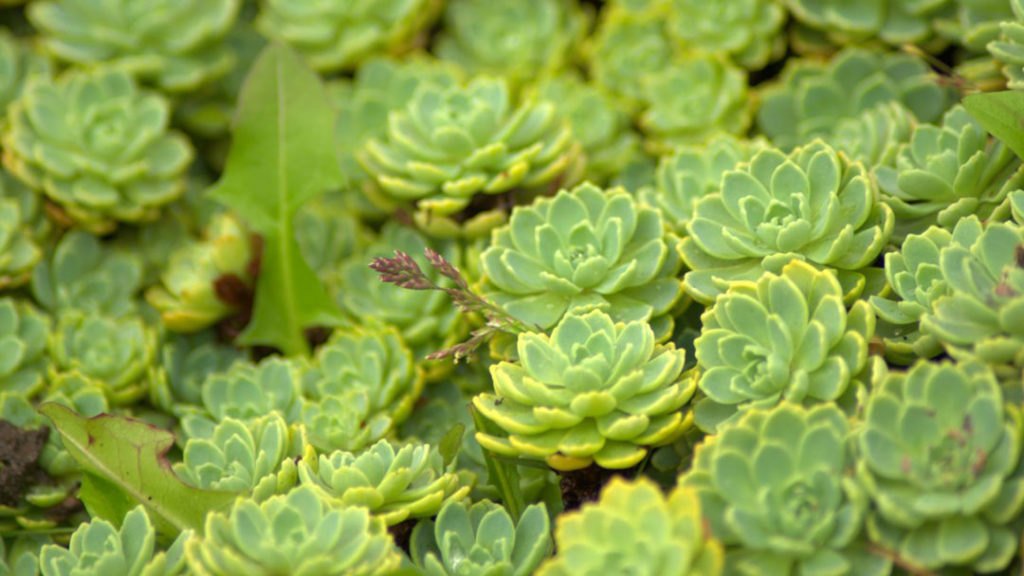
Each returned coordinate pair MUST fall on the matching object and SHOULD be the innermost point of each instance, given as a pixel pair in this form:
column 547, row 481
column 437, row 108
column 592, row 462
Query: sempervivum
column 24, row 332
column 746, row 30
column 175, row 44
column 592, row 391
column 97, row 146
column 449, row 145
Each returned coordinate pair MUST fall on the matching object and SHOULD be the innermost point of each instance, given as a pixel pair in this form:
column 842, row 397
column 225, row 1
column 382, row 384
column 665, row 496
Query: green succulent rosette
column 181, row 366
column 982, row 316
column 24, row 334
column 361, row 385
column 98, row 548
column 395, row 484
column 775, row 490
column 297, row 533
column 629, row 45
column 586, row 247
column 117, row 353
column 691, row 100
column 876, row 135
column 939, row 456
column 233, row 455
column 448, row 145
column 785, row 337
column 481, row 540
column 893, row 21
column 200, row 279
column 339, row 36
column 1008, row 49
column 693, row 172
column 811, row 98
column 330, row 234
column 21, row 556
column 593, row 391
column 747, row 31
column 974, row 24
column 248, row 391
column 85, row 274
column 98, row 147
column 175, row 44
column 635, row 529
column 945, row 173
column 601, row 124
column 518, row 40
column 19, row 63
column 812, row 205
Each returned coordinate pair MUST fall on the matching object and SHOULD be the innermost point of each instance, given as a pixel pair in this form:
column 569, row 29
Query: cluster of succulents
column 507, row 287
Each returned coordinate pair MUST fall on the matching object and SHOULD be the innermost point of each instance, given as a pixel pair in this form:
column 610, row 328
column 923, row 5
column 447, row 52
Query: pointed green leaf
column 1002, row 114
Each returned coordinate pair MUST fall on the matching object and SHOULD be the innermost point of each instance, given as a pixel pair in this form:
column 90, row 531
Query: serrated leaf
column 124, row 464
column 282, row 155
column 1002, row 114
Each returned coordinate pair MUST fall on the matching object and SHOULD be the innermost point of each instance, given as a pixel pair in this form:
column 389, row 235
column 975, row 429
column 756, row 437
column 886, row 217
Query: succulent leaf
column 24, row 334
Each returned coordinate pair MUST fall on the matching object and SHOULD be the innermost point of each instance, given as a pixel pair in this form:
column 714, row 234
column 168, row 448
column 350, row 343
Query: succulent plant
column 86, row 274
column 948, row 172
column 394, row 484
column 329, row 234
column 693, row 172
column 585, row 247
column 775, row 490
column 812, row 98
column 875, row 135
column 97, row 146
column 748, row 31
column 298, row 533
column 116, row 352
column 634, row 529
column 691, row 100
column 481, row 540
column 812, row 205
column 1009, row 48
column 783, row 337
column 234, row 455
column 18, row 64
column 975, row 23
column 593, row 391
column 894, row 21
column 599, row 122
column 981, row 316
column 17, row 559
column 247, row 391
column 448, row 145
column 183, row 363
column 176, row 45
column 362, row 384
column 24, row 333
column 629, row 45
column 338, row 36
column 518, row 40
column 100, row 549
column 939, row 456
column 202, row 280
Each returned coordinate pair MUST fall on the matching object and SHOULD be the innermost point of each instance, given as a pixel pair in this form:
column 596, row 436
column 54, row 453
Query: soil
column 402, row 533
column 19, row 452
column 584, row 485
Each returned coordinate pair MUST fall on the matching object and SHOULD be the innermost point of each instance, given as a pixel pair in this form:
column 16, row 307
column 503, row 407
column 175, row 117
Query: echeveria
column 785, row 337
column 100, row 549
column 201, row 279
column 894, row 21
column 18, row 64
column 330, row 233
column 811, row 98
column 593, row 391
column 812, row 205
column 519, row 40
column 634, row 529
column 693, row 172
column 234, row 455
column 875, row 135
column 975, row 23
column 982, row 316
column 775, row 490
column 334, row 36
column 1009, row 48
column 299, row 534
column 24, row 333
column 627, row 47
column 481, row 540
column 247, row 391
column 449, row 144
column 585, row 247
column 747, row 30
column 183, row 363
column 394, row 484
column 939, row 458
column 945, row 173
column 116, row 352
column 691, row 100
column 177, row 44
column 362, row 384
column 97, row 146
